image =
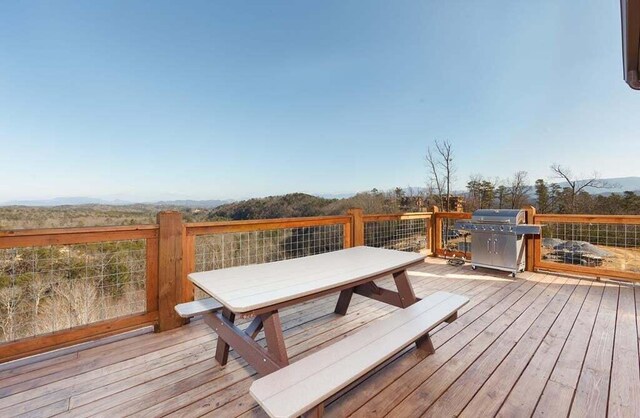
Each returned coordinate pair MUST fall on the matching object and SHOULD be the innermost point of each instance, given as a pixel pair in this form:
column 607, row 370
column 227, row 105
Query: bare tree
column 519, row 190
column 72, row 303
column 10, row 300
column 440, row 164
column 576, row 186
column 38, row 287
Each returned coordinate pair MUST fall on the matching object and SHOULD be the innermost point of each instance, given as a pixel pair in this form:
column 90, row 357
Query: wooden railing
column 20, row 241
column 616, row 236
column 614, row 239
column 409, row 231
column 443, row 244
column 172, row 249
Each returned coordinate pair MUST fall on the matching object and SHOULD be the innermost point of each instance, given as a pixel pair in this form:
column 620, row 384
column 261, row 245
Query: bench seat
column 197, row 307
column 307, row 383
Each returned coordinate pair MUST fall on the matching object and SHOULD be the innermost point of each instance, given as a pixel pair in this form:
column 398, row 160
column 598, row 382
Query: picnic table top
column 249, row 288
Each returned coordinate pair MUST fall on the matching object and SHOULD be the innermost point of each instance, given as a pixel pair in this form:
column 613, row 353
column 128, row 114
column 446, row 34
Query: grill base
column 492, row 267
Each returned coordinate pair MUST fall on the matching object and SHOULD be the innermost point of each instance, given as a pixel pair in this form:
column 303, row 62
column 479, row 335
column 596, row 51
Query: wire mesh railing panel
column 605, row 246
column 58, row 287
column 454, row 240
column 256, row 247
column 403, row 235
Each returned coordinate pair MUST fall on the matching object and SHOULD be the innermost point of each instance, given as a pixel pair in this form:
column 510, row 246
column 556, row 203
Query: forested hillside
column 67, row 216
column 301, row 204
column 287, row 206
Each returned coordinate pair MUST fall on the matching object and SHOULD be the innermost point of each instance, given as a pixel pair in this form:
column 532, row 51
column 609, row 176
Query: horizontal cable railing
column 607, row 246
column 63, row 286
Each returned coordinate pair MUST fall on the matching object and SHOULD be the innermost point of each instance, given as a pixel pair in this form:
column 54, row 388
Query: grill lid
column 498, row 216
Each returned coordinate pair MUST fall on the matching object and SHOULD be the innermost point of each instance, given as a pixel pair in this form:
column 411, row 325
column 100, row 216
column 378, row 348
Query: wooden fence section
column 444, row 243
column 19, row 240
column 398, row 231
column 594, row 245
column 173, row 249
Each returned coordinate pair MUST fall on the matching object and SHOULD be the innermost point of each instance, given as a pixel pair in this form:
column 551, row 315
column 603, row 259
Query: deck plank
column 542, row 344
column 592, row 393
column 491, row 391
column 357, row 397
column 479, row 359
column 526, row 392
column 430, row 377
column 624, row 394
column 558, row 392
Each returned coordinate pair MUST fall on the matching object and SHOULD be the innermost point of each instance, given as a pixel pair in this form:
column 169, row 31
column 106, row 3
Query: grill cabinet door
column 504, row 251
column 481, row 248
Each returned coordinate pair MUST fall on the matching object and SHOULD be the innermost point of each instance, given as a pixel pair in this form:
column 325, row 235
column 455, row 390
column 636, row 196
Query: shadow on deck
column 539, row 344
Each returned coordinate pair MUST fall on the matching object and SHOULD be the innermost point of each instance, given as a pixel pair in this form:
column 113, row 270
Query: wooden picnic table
column 261, row 290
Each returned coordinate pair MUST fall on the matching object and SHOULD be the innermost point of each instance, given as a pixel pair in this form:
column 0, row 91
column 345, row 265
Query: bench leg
column 316, row 412
column 425, row 345
column 222, row 348
column 452, row 318
column 343, row 301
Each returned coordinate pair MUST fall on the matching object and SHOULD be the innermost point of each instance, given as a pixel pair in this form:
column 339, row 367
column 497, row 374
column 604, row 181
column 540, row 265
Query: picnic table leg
column 343, row 301
column 407, row 297
column 222, row 348
column 275, row 338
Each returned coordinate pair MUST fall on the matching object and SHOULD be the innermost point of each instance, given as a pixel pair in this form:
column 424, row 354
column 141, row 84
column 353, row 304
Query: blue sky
column 160, row 99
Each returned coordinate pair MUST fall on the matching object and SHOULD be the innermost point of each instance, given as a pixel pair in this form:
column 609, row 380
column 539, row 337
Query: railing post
column 170, row 280
column 435, row 234
column 531, row 241
column 348, row 234
column 188, row 264
column 357, row 227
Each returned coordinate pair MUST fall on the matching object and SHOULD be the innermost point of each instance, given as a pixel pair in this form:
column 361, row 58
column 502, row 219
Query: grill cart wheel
column 474, row 267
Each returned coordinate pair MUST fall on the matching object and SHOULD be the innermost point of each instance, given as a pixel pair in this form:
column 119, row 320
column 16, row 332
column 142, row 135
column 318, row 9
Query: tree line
column 564, row 193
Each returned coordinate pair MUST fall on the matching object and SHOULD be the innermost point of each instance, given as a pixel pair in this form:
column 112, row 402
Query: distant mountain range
column 83, row 200
column 617, row 185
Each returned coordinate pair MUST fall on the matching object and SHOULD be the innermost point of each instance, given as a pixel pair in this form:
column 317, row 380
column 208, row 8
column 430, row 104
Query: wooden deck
column 544, row 345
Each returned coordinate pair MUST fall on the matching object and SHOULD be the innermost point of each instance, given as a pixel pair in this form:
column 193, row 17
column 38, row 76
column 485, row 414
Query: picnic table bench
column 307, row 383
column 260, row 291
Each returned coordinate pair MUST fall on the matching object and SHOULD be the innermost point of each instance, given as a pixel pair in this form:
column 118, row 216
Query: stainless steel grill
column 497, row 238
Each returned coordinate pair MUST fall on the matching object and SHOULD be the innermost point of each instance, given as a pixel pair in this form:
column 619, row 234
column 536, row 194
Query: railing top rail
column 396, row 216
column 68, row 236
column 594, row 219
column 206, row 228
column 75, row 230
column 453, row 215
